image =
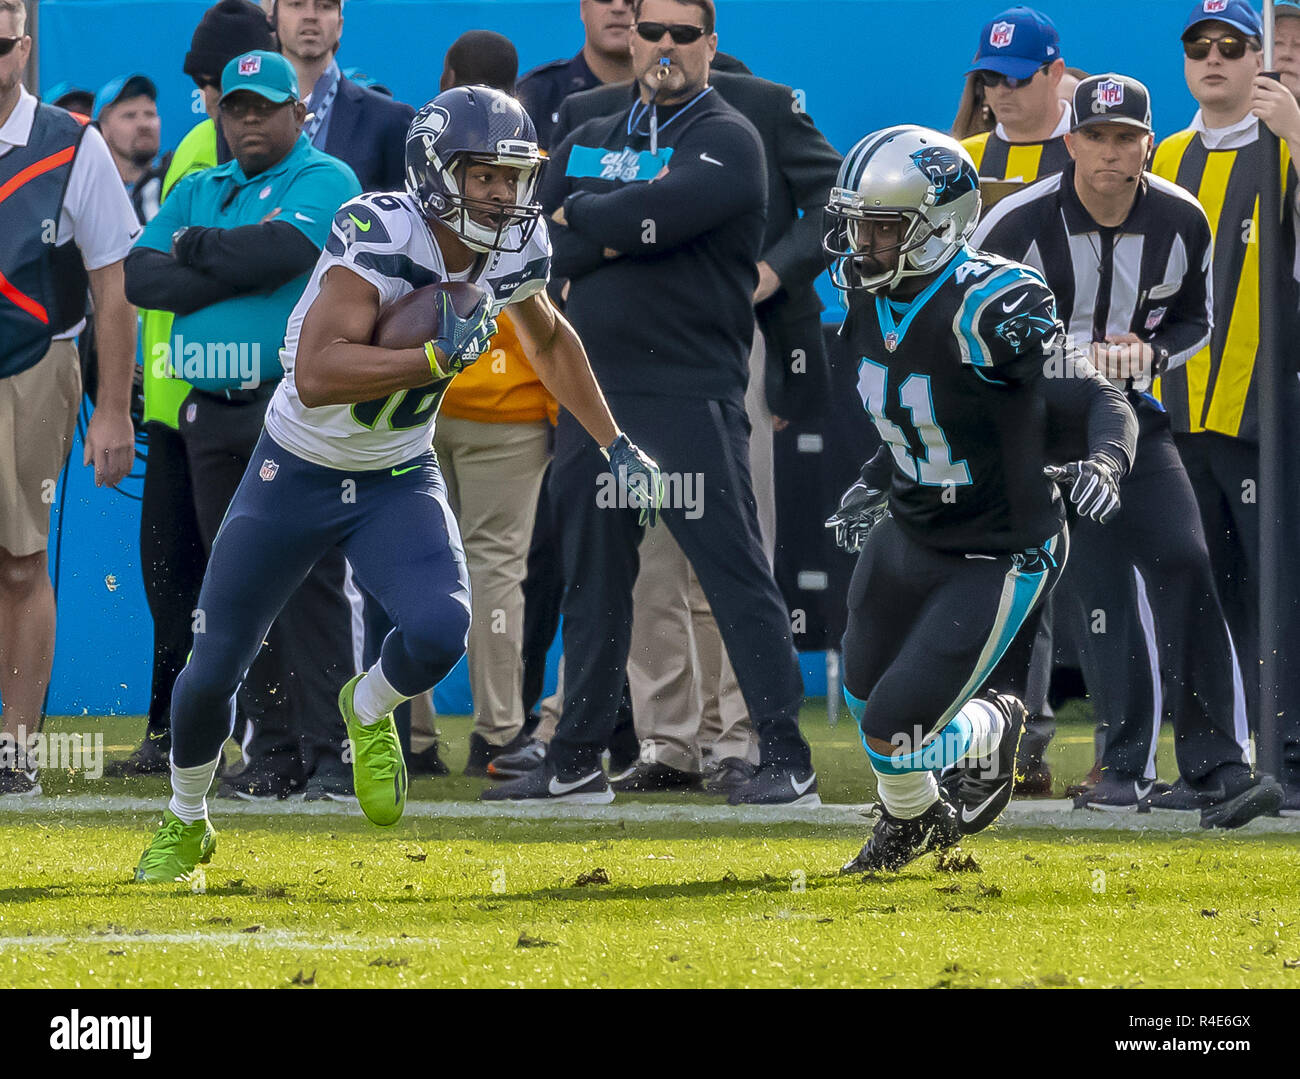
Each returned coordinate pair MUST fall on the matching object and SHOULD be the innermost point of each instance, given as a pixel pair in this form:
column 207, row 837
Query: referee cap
column 1111, row 99
column 1017, row 43
column 1236, row 13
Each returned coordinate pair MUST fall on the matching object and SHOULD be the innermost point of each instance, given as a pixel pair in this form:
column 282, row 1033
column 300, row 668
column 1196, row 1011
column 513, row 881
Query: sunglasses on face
column 990, row 79
column 8, row 44
column 1230, row 47
column 681, row 33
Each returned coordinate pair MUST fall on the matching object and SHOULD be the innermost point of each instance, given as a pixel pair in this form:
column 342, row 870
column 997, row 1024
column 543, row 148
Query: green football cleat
column 176, row 850
column 378, row 767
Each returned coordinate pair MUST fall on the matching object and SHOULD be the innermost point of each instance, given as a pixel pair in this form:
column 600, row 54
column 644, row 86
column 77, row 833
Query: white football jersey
column 383, row 238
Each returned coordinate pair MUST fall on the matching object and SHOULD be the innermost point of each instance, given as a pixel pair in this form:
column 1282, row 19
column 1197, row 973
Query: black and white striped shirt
column 1149, row 276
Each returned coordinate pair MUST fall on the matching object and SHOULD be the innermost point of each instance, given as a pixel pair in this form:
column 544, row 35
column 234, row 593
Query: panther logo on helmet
column 946, row 172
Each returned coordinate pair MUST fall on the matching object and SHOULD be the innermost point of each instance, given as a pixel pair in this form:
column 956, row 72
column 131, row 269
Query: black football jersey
column 963, row 382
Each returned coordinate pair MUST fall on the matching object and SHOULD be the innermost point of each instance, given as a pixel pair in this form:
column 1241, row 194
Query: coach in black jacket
column 801, row 169
column 659, row 215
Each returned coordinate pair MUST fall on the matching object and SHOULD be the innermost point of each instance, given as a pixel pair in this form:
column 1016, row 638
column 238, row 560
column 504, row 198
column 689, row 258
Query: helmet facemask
column 455, row 209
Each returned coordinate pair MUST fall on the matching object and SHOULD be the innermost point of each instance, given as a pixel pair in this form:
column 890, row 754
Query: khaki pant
column 493, row 473
column 685, row 699
column 38, row 419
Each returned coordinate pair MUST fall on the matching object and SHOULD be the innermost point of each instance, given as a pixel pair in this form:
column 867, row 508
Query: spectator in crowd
column 974, row 116
column 365, row 129
column 677, row 666
column 65, row 95
column 1127, row 256
column 688, row 246
column 172, row 557
column 1286, row 43
column 53, row 168
column 126, row 111
column 1020, row 69
column 1211, row 399
column 493, row 429
column 230, row 254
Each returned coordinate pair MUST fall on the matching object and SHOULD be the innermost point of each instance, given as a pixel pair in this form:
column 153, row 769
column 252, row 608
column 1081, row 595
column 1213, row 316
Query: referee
column 1128, row 257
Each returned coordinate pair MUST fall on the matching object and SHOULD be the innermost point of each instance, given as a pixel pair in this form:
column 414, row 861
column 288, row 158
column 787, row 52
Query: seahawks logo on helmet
column 949, row 175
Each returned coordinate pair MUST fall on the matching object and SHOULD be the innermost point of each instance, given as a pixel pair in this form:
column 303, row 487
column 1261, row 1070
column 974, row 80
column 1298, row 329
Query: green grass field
column 329, row 900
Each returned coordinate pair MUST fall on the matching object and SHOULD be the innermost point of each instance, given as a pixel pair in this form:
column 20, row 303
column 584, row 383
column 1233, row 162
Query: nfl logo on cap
column 1002, row 33
column 1110, row 93
column 268, row 470
column 1214, row 6
column 250, row 65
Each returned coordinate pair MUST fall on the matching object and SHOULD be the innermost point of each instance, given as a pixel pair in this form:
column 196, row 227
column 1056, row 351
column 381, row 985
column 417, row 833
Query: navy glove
column 462, row 340
column 861, row 509
column 1094, row 486
column 639, row 476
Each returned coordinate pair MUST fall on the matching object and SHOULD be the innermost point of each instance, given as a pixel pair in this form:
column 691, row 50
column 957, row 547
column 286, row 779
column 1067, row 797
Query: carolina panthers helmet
column 474, row 123
column 910, row 174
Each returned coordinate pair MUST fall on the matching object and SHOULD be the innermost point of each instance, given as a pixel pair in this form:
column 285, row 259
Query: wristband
column 434, row 366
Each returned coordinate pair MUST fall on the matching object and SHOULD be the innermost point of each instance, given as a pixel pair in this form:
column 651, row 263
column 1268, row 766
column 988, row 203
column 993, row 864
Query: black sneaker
column 543, row 785
column 777, row 785
column 731, row 774
column 1175, row 796
column 520, row 762
column 150, row 758
column 1290, row 802
column 257, row 783
column 647, row 778
column 19, row 781
column 981, row 789
column 619, row 770
column 1117, row 794
column 895, row 842
column 428, row 762
column 482, row 753
column 1240, row 796
column 330, row 787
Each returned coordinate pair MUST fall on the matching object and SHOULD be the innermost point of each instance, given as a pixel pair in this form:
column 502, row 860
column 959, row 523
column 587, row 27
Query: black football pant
column 172, row 561
column 702, row 447
column 1154, row 641
column 1224, row 473
column 290, row 695
column 928, row 630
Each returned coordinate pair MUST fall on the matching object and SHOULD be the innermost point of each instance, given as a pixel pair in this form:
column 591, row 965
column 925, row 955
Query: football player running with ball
column 964, row 370
column 346, row 456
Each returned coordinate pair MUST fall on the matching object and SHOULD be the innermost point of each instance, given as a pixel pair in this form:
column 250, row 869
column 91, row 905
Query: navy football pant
column 397, row 532
column 928, row 630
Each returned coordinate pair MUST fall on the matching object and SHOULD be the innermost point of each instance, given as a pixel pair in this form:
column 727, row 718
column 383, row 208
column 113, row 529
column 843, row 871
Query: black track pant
column 702, row 447
column 172, row 560
column 928, row 630
column 1154, row 641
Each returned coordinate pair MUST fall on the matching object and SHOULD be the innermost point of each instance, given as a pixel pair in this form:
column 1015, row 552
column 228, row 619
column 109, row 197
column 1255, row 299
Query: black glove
column 1095, row 486
column 861, row 509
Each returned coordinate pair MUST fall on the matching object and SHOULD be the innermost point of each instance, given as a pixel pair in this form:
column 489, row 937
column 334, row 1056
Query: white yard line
column 263, row 938
column 1057, row 814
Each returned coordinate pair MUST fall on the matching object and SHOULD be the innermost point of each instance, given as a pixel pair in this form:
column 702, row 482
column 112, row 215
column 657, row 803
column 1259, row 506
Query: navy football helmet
column 474, row 124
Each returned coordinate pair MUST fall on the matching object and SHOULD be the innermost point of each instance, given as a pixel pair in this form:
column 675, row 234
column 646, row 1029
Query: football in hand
column 413, row 320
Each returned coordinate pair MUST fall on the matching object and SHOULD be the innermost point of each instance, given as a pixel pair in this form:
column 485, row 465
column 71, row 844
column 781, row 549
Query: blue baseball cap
column 1017, row 43
column 1236, row 13
column 66, row 93
column 267, row 74
column 124, row 86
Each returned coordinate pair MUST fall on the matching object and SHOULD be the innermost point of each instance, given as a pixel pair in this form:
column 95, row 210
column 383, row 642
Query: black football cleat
column 895, row 842
column 152, row 757
column 777, row 785
column 981, row 789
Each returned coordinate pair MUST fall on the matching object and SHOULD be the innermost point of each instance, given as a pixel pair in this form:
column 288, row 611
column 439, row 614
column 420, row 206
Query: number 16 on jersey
column 935, row 467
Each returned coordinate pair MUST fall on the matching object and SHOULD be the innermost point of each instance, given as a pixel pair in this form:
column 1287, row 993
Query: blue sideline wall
column 860, row 64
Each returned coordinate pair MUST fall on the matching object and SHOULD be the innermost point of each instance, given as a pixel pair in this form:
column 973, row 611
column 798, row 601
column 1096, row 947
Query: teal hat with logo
column 267, row 74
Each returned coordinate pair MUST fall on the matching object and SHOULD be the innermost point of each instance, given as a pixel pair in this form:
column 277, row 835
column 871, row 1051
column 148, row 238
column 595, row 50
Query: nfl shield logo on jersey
column 1001, row 35
column 891, row 341
column 268, row 470
column 250, row 65
column 1110, row 94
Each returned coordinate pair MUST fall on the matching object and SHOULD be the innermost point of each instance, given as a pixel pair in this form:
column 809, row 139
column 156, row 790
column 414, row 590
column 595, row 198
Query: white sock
column 986, row 725
column 190, row 790
column 907, row 794
column 374, row 697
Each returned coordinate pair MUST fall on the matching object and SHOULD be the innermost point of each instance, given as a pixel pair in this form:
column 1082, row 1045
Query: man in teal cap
column 230, row 253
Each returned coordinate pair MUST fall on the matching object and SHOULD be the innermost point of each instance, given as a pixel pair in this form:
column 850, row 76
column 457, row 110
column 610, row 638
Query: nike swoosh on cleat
column 404, row 471
column 1008, row 308
column 802, row 788
column 967, row 817
column 558, row 788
